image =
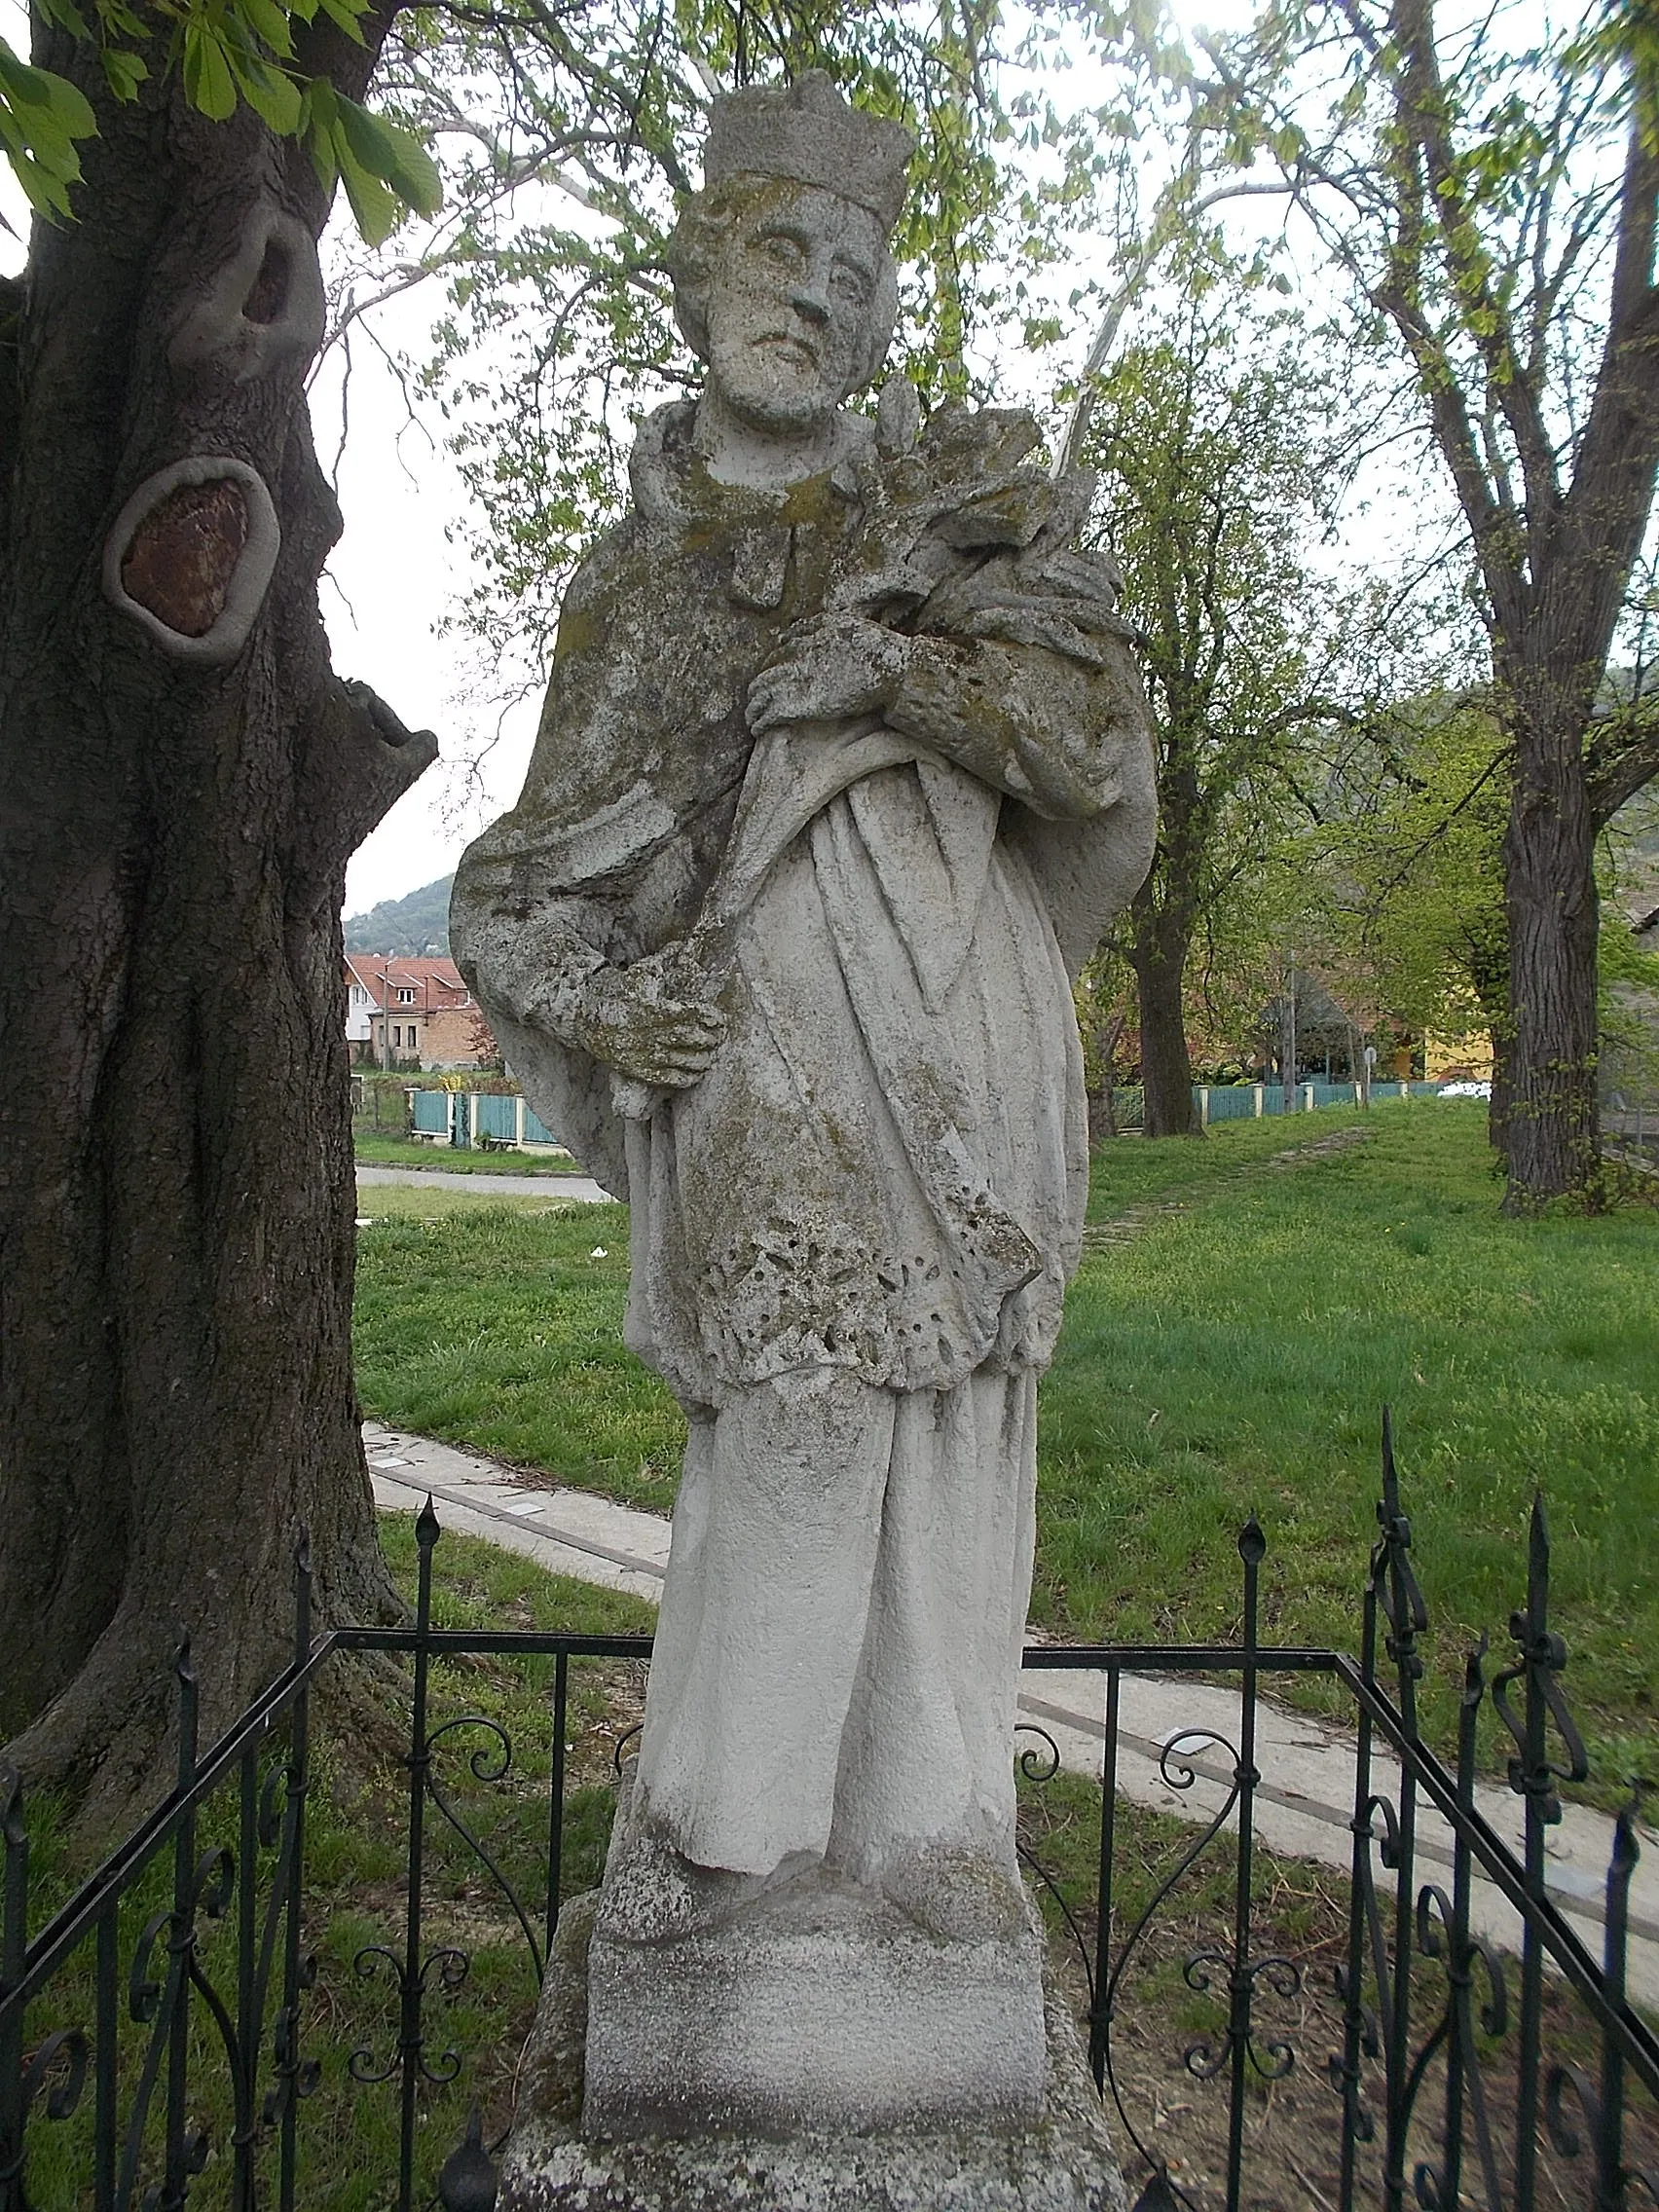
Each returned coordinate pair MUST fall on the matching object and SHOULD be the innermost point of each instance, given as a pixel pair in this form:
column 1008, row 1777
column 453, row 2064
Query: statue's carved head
column 783, row 281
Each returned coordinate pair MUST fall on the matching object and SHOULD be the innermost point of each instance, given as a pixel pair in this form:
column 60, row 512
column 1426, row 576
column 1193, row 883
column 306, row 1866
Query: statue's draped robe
column 851, row 1239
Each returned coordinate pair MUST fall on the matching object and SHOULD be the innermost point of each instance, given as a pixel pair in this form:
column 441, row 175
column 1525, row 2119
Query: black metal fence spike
column 1159, row 2195
column 1474, row 1672
column 301, row 1550
column 468, row 2181
column 1252, row 1544
column 427, row 1524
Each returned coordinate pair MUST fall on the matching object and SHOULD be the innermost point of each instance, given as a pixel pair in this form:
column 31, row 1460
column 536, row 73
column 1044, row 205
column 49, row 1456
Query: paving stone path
column 581, row 1190
column 1166, row 1728
column 1124, row 1227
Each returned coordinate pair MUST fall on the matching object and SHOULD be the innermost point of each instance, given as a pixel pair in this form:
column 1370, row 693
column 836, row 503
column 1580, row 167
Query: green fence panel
column 431, row 1112
column 498, row 1116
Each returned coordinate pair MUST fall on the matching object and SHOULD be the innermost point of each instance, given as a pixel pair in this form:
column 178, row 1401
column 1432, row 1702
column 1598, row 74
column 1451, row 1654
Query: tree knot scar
column 268, row 298
column 184, row 554
column 191, row 556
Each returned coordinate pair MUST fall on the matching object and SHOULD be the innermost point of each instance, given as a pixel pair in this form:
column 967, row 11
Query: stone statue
column 844, row 764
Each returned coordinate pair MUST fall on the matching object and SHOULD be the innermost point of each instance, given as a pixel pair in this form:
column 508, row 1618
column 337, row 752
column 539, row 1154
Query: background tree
column 1413, row 855
column 1493, row 205
column 1220, row 464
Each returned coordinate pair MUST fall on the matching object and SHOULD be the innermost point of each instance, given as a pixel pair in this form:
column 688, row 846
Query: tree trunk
column 1489, row 971
column 1158, row 956
column 176, row 810
column 1550, row 1133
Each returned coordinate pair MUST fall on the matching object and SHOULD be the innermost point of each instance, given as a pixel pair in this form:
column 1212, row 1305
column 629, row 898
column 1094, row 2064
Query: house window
column 396, row 1034
column 406, row 998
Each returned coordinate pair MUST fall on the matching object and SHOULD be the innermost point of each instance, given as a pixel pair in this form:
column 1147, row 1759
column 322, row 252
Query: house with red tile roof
column 413, row 1011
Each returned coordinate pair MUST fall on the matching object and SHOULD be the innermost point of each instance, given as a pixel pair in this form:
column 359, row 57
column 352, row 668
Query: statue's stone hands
column 828, row 669
column 649, row 1021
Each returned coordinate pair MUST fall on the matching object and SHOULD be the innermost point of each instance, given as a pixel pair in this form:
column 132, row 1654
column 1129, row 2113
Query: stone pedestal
column 1055, row 2157
column 831, row 2010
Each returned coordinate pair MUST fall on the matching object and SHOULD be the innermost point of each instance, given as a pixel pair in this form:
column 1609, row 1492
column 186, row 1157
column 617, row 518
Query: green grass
column 493, row 1324
column 1232, row 1357
column 374, row 1150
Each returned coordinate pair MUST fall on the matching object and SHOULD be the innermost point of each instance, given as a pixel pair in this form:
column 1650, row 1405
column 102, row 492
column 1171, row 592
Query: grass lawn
column 1231, row 1355
column 376, row 1151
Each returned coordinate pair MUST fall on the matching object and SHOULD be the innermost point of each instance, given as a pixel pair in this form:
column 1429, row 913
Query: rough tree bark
column 1162, row 918
column 176, row 811
column 1162, row 926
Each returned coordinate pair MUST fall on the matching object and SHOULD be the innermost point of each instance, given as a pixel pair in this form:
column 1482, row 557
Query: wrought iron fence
column 161, row 2030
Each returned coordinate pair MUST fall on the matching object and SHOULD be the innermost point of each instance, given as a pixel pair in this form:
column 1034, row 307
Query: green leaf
column 68, row 17
column 346, row 14
column 375, row 208
column 385, row 150
column 46, row 188
column 124, row 72
column 272, row 96
column 269, row 22
column 47, row 102
column 209, row 84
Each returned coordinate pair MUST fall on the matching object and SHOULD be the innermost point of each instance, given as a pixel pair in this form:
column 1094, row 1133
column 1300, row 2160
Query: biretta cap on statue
column 806, row 130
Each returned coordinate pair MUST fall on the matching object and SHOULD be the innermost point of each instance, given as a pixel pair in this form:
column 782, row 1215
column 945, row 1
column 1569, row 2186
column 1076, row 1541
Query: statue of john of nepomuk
column 843, row 766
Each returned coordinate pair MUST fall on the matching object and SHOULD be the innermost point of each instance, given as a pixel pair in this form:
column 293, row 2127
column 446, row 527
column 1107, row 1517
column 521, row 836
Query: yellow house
column 1464, row 1056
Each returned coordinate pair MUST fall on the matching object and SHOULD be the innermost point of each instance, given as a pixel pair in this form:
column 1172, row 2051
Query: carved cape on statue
column 627, row 813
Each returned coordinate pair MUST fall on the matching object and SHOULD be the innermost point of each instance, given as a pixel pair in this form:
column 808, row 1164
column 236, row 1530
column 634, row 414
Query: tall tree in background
column 1496, row 206
column 1219, row 464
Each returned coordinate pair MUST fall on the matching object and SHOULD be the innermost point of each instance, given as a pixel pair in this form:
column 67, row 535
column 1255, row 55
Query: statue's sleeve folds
column 1023, row 674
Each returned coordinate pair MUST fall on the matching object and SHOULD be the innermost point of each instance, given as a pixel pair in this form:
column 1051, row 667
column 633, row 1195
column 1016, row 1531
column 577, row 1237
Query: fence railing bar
column 293, row 2076
column 14, row 1955
column 556, row 1796
column 1407, row 1618
column 106, row 2058
column 76, row 1917
column 1252, row 1546
column 1179, row 1658
column 522, row 1643
column 1578, row 1966
column 1099, row 2024
column 410, row 1993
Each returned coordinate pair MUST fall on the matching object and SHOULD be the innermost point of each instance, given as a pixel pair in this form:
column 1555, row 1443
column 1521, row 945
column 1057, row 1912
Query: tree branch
column 1623, row 756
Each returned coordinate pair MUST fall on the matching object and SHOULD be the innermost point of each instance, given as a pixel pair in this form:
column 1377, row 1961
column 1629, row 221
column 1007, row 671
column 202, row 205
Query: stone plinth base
column 1059, row 2160
column 834, row 2011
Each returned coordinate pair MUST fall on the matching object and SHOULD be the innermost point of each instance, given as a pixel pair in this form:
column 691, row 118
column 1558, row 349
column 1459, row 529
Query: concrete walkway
column 579, row 1188
column 1167, row 1727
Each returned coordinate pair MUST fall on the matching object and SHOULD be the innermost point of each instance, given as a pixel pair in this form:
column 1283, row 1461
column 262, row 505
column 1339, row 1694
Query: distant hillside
column 417, row 923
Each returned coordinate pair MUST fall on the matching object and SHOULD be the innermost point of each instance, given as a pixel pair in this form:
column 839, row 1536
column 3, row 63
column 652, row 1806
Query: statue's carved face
column 790, row 307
